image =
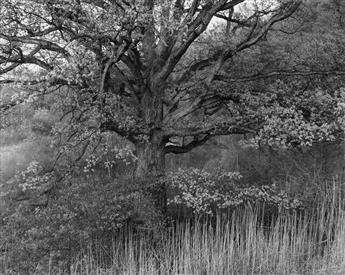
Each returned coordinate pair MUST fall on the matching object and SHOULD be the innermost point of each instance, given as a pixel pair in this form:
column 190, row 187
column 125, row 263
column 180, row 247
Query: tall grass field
column 292, row 242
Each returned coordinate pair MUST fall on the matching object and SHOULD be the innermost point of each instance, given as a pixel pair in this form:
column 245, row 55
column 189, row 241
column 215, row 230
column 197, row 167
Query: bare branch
column 196, row 142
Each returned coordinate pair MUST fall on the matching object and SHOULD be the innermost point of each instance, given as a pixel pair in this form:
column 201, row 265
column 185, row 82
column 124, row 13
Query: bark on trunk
column 151, row 158
column 150, row 170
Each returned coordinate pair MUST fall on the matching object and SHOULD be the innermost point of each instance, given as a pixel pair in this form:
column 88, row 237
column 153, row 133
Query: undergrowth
column 239, row 242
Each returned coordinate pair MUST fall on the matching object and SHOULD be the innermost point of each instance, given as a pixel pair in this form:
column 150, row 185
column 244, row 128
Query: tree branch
column 195, row 29
column 276, row 74
column 130, row 133
column 203, row 134
column 284, row 13
column 234, row 125
column 188, row 147
column 217, row 60
column 41, row 43
column 23, row 59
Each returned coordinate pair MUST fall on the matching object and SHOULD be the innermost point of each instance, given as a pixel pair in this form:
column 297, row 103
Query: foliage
column 296, row 118
column 311, row 243
column 49, row 209
column 80, row 210
column 147, row 70
column 167, row 78
column 206, row 192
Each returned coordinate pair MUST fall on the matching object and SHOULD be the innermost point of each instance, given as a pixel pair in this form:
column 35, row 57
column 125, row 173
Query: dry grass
column 312, row 243
column 309, row 243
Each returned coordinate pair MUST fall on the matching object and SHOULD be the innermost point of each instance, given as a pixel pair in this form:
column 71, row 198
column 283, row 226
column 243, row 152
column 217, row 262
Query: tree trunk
column 150, row 153
column 150, row 170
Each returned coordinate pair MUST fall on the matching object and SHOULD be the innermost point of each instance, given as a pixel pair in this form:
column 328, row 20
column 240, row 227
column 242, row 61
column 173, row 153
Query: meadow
column 244, row 241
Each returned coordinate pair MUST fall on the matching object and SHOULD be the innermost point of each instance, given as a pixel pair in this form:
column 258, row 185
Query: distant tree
column 159, row 73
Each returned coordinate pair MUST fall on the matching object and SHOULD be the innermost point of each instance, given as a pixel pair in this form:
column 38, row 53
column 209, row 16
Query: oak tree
column 159, row 73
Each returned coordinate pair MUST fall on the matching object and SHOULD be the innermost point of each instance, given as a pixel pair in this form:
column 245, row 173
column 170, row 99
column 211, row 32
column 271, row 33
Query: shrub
column 55, row 229
column 205, row 192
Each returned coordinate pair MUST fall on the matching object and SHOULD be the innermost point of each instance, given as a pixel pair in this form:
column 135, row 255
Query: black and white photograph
column 172, row 137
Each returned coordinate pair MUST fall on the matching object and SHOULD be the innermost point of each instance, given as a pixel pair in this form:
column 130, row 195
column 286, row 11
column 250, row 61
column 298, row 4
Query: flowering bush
column 77, row 210
column 205, row 192
column 33, row 177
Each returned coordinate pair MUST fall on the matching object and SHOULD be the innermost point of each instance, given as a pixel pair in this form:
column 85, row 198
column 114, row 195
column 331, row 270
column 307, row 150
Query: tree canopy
column 170, row 75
